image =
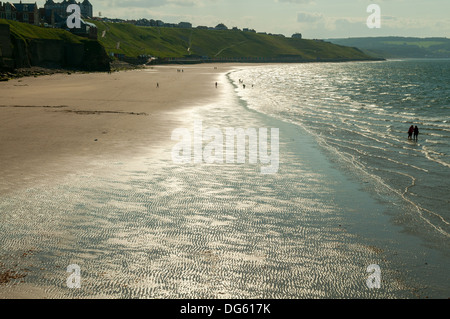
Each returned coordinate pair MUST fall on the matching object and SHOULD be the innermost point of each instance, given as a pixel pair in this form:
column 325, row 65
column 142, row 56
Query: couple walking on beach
column 413, row 130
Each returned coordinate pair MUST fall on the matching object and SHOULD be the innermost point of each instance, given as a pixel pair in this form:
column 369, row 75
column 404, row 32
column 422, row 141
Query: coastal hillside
column 400, row 47
column 177, row 43
column 24, row 45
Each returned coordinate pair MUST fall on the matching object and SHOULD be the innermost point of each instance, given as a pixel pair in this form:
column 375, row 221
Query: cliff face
column 23, row 52
column 55, row 52
column 6, row 54
column 95, row 57
column 88, row 55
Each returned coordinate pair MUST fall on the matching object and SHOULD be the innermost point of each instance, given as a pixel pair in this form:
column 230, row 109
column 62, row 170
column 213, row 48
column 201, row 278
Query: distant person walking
column 157, row 85
column 416, row 133
column 410, row 132
column 216, row 85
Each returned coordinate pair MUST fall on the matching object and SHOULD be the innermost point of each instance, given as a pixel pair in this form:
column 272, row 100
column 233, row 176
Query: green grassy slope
column 28, row 31
column 38, row 46
column 180, row 43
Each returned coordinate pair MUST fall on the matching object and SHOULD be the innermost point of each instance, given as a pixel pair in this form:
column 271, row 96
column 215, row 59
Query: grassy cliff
column 184, row 43
column 36, row 46
column 28, row 31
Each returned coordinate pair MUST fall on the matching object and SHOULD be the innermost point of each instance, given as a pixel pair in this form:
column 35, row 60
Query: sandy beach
column 55, row 125
column 88, row 180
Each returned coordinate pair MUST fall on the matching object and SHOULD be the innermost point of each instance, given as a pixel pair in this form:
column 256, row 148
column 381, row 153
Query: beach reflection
column 148, row 228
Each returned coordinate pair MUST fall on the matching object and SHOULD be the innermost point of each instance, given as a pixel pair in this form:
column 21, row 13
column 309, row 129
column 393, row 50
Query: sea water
column 361, row 112
column 151, row 228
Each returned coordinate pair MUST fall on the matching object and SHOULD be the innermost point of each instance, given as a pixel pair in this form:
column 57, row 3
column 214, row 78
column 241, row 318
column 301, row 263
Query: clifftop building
column 8, row 11
column 60, row 8
column 27, row 13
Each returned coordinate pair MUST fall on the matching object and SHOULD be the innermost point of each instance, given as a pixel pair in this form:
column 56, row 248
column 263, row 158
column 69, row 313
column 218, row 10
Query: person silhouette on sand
column 410, row 132
column 416, row 133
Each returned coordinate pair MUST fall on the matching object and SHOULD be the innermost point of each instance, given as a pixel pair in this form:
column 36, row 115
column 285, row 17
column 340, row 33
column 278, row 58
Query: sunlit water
column 362, row 112
column 149, row 228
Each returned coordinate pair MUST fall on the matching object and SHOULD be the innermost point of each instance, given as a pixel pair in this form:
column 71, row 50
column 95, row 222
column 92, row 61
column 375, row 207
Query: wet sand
column 54, row 125
column 146, row 227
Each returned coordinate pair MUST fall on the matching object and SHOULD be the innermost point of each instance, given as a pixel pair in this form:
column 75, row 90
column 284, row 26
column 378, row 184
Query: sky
column 315, row 19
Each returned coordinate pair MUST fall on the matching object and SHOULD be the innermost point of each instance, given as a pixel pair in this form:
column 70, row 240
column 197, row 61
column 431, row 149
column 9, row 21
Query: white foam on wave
column 332, row 117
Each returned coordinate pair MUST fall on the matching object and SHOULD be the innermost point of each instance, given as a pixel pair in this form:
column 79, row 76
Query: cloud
column 313, row 18
column 296, row 1
column 155, row 3
column 304, row 17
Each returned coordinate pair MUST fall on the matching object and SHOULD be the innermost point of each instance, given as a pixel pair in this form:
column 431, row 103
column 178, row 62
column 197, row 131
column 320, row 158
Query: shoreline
column 56, row 124
column 235, row 217
column 259, row 61
column 36, row 71
column 390, row 223
column 142, row 116
column 118, row 66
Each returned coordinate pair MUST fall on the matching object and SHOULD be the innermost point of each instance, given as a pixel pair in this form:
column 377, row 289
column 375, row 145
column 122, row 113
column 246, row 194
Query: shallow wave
column 363, row 111
column 150, row 228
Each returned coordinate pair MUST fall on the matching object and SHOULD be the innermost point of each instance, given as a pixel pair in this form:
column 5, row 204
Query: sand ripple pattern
column 160, row 230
